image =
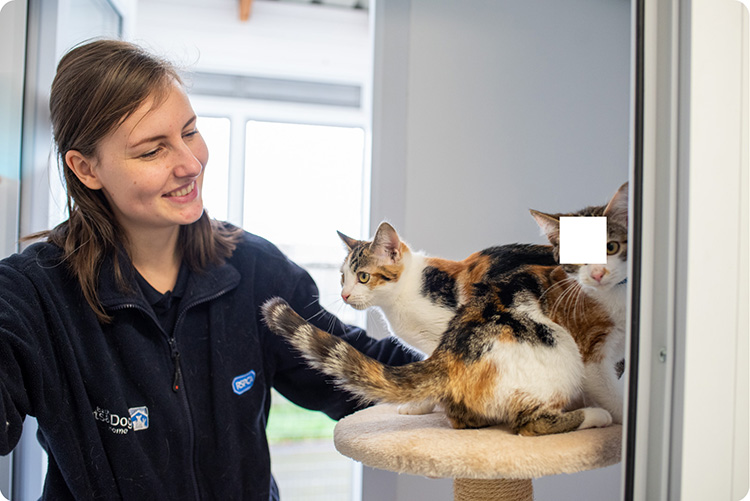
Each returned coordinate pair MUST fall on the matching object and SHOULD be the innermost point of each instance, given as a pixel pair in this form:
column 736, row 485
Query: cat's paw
column 273, row 312
column 595, row 417
column 281, row 318
column 416, row 408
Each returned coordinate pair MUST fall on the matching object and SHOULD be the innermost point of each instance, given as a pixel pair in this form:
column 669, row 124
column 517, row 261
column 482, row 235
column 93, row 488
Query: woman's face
column 151, row 167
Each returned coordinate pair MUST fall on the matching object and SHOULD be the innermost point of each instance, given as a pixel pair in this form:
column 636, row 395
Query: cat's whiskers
column 318, row 314
column 575, row 302
column 561, row 283
column 569, row 300
column 571, row 297
column 580, row 304
column 337, row 306
column 327, row 307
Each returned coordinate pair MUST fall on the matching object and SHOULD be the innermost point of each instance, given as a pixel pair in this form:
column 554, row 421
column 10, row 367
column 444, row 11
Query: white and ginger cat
column 511, row 336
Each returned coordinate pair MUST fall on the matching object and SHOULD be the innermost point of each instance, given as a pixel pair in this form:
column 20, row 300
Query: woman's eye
column 612, row 248
column 150, row 154
column 363, row 277
column 191, row 133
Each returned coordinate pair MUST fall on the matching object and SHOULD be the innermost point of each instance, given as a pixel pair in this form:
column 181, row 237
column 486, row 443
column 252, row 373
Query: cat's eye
column 363, row 277
column 612, row 248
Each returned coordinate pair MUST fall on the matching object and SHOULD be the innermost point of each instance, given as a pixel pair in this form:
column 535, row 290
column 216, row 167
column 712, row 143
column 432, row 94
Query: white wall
column 714, row 164
column 692, row 304
column 281, row 39
column 484, row 109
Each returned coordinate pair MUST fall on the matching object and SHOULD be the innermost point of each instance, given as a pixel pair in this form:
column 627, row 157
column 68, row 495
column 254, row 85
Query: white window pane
column 310, row 176
column 302, row 183
column 215, row 132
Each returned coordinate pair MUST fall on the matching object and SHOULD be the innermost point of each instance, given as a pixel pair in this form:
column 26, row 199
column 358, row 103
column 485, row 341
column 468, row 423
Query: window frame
column 239, row 111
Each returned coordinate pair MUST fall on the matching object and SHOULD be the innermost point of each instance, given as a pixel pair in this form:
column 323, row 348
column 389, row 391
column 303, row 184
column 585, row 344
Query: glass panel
column 12, row 52
column 56, row 31
column 80, row 20
column 305, row 462
column 215, row 132
column 88, row 19
column 302, row 183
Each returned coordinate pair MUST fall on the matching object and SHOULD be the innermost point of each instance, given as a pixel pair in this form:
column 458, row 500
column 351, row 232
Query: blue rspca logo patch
column 242, row 383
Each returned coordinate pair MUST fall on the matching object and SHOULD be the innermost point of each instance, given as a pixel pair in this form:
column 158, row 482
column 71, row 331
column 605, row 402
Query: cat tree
column 486, row 464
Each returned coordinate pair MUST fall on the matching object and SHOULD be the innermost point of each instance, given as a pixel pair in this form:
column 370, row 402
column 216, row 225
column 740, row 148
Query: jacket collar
column 202, row 286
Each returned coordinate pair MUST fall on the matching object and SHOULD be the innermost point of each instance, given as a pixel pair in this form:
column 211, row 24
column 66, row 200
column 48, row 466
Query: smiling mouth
column 181, row 192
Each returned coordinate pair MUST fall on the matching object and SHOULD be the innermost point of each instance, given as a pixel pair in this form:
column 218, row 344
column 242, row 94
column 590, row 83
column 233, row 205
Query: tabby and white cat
column 512, row 336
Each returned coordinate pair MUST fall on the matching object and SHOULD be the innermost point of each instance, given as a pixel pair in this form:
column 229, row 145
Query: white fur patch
column 545, row 373
column 417, row 408
column 593, row 417
column 415, row 320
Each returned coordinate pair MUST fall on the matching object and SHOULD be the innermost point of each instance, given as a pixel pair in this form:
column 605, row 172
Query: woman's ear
column 83, row 168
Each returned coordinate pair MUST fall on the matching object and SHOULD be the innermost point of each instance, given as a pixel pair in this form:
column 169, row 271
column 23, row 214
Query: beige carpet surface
column 427, row 445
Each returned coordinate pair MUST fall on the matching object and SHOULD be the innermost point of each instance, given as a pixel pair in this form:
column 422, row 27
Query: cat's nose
column 345, row 297
column 598, row 274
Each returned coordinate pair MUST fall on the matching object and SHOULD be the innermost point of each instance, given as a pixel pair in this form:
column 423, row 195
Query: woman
column 133, row 332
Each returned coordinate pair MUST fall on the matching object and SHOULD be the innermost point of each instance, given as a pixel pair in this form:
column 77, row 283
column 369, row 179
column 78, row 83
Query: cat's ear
column 549, row 224
column 386, row 243
column 348, row 241
column 617, row 208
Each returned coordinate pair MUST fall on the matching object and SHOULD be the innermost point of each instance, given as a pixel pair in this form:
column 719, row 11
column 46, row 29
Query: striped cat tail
column 367, row 378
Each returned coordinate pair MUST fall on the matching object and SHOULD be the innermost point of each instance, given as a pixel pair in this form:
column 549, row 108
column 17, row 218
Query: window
column 215, row 131
column 303, row 182
column 293, row 174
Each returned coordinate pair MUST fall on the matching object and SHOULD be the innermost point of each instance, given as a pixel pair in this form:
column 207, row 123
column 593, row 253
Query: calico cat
column 419, row 294
column 521, row 343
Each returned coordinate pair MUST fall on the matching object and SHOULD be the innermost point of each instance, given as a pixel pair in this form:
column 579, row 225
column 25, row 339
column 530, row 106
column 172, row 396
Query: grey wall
column 504, row 105
column 483, row 109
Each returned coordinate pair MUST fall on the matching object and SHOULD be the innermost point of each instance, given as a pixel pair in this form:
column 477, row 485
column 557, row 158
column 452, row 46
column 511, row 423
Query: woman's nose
column 188, row 163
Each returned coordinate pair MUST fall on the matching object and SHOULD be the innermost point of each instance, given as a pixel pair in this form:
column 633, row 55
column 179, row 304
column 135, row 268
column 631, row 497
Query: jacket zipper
column 174, row 352
column 177, row 381
column 177, row 375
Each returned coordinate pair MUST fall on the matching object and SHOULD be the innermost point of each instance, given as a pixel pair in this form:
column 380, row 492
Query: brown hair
column 98, row 85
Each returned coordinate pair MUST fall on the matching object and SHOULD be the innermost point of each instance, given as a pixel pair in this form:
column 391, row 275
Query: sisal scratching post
column 488, row 463
column 501, row 489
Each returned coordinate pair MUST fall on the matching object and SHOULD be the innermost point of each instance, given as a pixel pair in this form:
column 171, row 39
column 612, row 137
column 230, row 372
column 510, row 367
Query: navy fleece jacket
column 110, row 417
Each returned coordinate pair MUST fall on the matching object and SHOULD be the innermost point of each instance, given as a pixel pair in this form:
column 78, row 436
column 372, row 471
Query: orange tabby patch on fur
column 466, row 273
column 474, row 397
column 586, row 319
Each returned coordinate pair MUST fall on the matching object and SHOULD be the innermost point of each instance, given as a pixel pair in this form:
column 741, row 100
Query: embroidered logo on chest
column 121, row 425
column 242, row 383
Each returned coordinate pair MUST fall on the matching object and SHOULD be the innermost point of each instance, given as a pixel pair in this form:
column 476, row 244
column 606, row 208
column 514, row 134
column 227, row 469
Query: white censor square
column 583, row 240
